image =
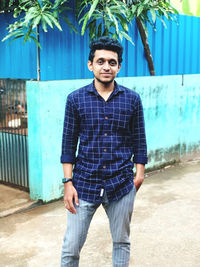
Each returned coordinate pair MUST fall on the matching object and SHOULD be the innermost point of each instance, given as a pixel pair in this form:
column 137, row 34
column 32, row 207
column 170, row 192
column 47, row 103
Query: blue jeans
column 119, row 214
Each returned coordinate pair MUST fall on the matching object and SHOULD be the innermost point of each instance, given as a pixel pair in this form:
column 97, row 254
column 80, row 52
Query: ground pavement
column 165, row 228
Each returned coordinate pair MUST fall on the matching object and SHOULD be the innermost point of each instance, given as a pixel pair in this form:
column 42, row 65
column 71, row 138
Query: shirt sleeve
column 139, row 136
column 70, row 132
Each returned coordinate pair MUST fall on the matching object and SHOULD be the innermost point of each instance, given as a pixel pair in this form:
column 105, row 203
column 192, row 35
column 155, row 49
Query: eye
column 113, row 63
column 100, row 62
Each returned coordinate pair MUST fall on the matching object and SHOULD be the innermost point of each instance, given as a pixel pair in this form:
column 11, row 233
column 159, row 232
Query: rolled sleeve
column 70, row 132
column 139, row 136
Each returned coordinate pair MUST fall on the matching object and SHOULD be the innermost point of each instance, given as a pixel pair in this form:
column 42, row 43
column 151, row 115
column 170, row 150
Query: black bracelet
column 66, row 180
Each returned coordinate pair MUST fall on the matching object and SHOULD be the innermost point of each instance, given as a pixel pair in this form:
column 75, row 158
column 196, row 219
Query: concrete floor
column 165, row 229
column 13, row 200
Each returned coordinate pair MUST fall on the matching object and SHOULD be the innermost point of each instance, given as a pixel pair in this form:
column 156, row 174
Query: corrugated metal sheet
column 13, row 133
column 16, row 60
column 64, row 55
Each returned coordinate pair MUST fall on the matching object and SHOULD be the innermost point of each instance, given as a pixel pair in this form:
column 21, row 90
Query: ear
column 90, row 66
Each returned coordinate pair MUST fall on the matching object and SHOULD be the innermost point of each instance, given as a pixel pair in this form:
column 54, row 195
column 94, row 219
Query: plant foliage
column 100, row 17
column 103, row 17
column 31, row 14
column 147, row 11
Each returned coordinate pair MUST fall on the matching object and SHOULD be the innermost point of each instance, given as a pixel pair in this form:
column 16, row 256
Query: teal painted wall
column 172, row 115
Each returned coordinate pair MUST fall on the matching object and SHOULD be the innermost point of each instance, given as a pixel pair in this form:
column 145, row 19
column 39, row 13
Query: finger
column 71, row 207
column 66, row 205
column 76, row 199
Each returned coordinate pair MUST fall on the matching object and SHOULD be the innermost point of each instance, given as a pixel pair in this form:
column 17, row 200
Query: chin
column 105, row 81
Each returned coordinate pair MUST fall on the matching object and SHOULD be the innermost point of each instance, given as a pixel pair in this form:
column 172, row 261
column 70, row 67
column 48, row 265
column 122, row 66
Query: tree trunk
column 146, row 47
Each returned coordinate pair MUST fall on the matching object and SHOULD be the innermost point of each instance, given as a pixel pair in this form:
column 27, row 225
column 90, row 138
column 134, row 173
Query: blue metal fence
column 64, row 55
column 13, row 133
column 17, row 61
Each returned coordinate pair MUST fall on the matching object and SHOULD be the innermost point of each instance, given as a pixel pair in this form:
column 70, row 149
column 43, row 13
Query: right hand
column 70, row 196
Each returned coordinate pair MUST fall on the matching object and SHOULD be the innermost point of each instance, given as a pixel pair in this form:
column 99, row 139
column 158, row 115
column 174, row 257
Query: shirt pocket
column 121, row 119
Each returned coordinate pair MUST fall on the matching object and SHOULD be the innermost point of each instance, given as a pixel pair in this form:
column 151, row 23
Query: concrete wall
column 172, row 115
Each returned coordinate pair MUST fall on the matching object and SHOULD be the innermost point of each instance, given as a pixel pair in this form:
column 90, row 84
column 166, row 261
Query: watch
column 66, row 180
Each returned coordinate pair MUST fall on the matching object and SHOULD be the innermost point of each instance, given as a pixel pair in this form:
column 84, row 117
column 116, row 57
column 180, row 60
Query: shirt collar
column 91, row 88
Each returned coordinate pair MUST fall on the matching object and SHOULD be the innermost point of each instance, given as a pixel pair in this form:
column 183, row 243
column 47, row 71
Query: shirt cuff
column 140, row 159
column 67, row 159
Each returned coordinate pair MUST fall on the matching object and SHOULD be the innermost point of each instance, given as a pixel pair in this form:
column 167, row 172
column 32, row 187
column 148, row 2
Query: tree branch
column 146, row 47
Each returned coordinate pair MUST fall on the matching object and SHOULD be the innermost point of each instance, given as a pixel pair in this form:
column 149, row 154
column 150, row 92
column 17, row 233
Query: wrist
column 67, row 180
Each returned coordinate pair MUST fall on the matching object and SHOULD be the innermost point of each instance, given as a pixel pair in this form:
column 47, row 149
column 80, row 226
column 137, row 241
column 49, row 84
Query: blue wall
column 64, row 55
column 17, row 60
column 172, row 114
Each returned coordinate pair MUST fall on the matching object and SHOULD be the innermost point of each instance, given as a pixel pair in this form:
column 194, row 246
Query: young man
column 108, row 120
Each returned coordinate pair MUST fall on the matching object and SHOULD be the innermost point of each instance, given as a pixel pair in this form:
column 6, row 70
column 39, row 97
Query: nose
column 106, row 66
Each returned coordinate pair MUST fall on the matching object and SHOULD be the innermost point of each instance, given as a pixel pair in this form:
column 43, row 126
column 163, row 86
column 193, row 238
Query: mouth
column 106, row 74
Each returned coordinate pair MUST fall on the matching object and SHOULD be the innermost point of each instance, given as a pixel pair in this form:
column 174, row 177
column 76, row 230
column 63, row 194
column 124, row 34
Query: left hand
column 138, row 182
column 139, row 178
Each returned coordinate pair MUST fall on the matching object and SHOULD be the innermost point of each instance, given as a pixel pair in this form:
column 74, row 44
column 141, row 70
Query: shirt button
column 106, row 118
column 104, row 167
column 105, row 134
column 105, row 150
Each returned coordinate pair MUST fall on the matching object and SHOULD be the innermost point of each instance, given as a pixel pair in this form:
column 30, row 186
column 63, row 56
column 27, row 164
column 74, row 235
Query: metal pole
column 38, row 50
column 38, row 56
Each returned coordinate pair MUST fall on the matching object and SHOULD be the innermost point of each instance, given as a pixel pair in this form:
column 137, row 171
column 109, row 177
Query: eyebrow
column 102, row 58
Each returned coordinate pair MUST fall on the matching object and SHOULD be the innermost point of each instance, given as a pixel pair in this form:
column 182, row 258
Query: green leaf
column 92, row 23
column 15, row 33
column 83, row 18
column 120, row 36
column 44, row 24
column 26, row 37
column 115, row 36
column 92, row 8
column 116, row 24
column 153, row 14
column 84, row 24
column 139, row 11
column 47, row 21
column 145, row 2
column 36, row 21
column 36, row 41
column 18, row 36
column 66, row 19
column 109, row 13
column 92, row 30
column 55, row 21
column 123, row 22
column 81, row 11
column 125, row 35
column 133, row 9
column 30, row 16
column 99, row 31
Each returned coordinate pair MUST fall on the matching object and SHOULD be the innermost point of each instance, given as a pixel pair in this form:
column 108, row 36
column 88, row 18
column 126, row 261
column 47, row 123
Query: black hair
column 106, row 43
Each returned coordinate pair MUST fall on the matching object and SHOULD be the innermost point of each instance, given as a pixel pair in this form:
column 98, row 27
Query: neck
column 104, row 87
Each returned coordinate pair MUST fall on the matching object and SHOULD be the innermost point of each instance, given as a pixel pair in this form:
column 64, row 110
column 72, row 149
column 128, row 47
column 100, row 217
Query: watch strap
column 66, row 180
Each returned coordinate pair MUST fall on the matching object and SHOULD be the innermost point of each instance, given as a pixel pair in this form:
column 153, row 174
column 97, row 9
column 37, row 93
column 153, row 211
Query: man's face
column 105, row 66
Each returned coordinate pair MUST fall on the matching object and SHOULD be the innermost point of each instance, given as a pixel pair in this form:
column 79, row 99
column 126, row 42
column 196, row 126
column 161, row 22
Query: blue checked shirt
column 111, row 138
